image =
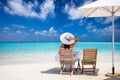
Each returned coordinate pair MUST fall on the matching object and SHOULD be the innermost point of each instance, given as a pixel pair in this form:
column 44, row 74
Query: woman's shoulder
column 61, row 48
column 64, row 48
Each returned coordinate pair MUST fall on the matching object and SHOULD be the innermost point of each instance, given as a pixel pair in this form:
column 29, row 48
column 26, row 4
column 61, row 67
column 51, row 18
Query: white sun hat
column 64, row 40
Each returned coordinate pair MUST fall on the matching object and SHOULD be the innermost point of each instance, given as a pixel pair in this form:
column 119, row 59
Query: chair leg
column 60, row 71
column 94, row 67
column 62, row 68
column 72, row 71
column 78, row 66
column 82, row 69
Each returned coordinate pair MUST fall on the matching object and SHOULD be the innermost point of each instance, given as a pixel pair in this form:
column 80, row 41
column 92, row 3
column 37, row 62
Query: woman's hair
column 66, row 46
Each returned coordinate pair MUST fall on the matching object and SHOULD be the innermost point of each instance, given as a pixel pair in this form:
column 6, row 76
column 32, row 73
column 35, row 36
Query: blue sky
column 46, row 20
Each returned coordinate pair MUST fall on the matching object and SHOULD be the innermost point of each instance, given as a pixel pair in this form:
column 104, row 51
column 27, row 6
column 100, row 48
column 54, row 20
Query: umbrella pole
column 113, row 68
column 113, row 74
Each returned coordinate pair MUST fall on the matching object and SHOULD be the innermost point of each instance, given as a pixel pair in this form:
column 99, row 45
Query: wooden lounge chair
column 66, row 58
column 89, row 58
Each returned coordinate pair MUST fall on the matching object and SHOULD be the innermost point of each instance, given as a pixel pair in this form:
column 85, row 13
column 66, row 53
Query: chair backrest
column 66, row 54
column 89, row 54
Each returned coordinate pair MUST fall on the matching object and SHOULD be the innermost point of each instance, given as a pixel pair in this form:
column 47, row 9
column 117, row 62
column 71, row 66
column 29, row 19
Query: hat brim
column 64, row 40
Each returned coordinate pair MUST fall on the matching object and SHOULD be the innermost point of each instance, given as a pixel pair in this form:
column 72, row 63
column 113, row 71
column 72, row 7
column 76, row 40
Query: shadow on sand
column 56, row 70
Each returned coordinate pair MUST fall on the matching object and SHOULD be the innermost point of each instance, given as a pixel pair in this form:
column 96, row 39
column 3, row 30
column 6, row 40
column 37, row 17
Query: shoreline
column 7, row 60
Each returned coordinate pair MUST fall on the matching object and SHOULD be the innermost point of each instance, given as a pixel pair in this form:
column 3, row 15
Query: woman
column 68, row 42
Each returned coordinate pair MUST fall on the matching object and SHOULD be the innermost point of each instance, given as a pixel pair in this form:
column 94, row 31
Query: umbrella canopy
column 103, row 8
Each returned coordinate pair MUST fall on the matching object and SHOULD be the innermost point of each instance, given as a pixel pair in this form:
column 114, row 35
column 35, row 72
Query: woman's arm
column 61, row 47
column 76, row 41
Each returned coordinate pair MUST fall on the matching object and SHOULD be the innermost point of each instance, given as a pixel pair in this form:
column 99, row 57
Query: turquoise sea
column 51, row 48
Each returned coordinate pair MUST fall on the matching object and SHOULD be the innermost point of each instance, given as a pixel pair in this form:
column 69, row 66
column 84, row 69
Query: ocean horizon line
column 53, row 41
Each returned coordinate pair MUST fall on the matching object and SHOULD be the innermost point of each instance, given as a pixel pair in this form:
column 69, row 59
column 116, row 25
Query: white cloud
column 21, row 8
column 1, row 4
column 99, row 20
column 10, row 31
column 43, row 33
column 87, row 2
column 106, row 20
column 66, row 8
column 47, row 8
column 109, row 20
column 50, row 32
column 83, row 21
column 12, row 34
column 90, row 27
column 72, row 12
column 105, row 31
column 6, row 28
column 117, row 32
column 31, row 30
column 19, row 32
column 68, row 24
column 36, row 4
column 84, row 35
column 18, row 26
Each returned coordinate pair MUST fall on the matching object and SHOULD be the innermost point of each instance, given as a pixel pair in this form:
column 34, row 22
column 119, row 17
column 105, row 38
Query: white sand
column 45, row 68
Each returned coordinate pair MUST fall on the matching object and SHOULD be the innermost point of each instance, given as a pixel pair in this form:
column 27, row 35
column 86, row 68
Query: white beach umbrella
column 103, row 8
